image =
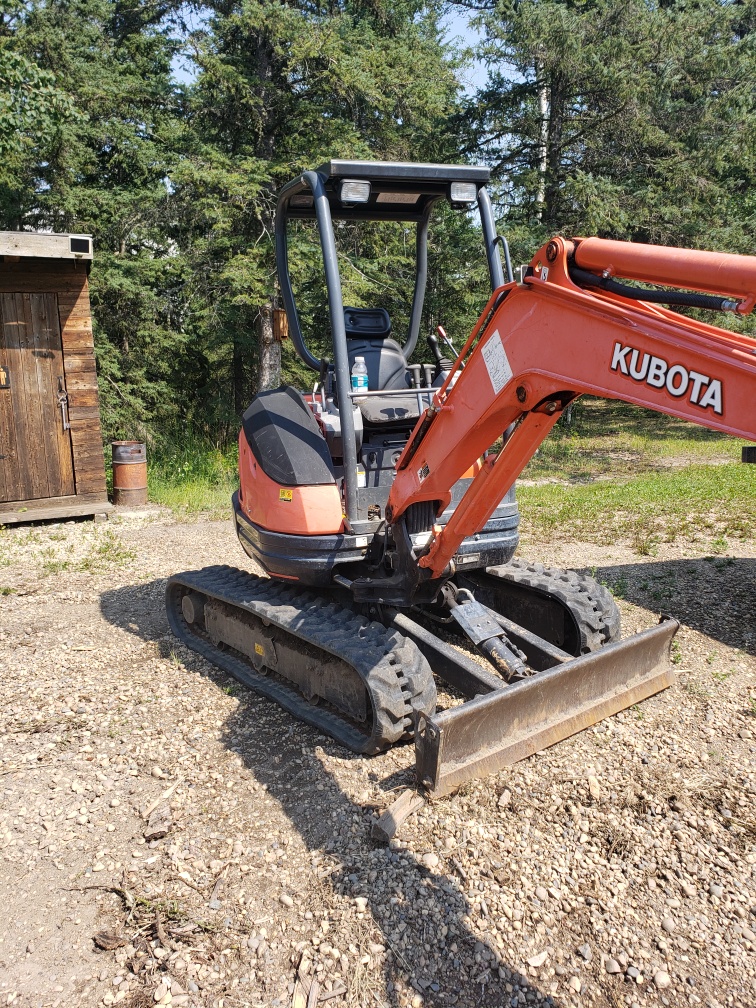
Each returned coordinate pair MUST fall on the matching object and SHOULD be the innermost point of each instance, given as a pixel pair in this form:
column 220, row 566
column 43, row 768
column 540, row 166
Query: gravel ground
column 615, row 869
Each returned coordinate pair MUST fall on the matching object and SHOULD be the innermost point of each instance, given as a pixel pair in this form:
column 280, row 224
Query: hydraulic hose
column 682, row 298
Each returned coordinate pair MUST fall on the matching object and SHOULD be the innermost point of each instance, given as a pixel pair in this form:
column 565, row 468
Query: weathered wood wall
column 67, row 280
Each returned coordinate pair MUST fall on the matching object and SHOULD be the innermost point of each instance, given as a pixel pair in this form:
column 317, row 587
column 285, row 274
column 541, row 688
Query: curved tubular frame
column 282, row 267
column 539, row 346
column 330, row 262
column 312, row 180
column 492, row 241
column 315, row 183
column 421, row 280
column 336, row 310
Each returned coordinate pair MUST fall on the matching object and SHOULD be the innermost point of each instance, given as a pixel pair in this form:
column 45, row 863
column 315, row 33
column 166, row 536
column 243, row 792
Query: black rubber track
column 593, row 609
column 397, row 678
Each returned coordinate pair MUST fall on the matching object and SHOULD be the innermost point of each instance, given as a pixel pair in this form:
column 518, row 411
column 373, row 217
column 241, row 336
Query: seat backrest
column 368, row 333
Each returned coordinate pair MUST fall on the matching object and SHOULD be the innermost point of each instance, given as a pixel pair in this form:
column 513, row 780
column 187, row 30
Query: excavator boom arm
column 541, row 344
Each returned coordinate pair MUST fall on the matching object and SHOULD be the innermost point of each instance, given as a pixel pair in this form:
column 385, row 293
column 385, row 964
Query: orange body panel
column 303, row 510
column 716, row 272
column 547, row 342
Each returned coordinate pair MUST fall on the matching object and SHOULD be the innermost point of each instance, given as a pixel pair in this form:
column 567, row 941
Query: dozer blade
column 499, row 728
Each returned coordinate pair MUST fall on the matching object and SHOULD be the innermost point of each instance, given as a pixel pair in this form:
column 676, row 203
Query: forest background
column 164, row 129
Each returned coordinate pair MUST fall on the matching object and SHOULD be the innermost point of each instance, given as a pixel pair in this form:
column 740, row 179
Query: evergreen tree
column 633, row 120
column 32, row 110
column 105, row 141
column 283, row 87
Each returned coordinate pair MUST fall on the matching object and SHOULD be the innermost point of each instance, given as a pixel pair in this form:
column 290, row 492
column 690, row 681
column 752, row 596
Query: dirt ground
column 615, row 869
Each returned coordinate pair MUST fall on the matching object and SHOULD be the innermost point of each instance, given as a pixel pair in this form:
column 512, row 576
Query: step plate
column 492, row 731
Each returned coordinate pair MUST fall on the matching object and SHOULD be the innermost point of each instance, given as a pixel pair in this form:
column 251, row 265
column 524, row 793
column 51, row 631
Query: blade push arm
column 541, row 344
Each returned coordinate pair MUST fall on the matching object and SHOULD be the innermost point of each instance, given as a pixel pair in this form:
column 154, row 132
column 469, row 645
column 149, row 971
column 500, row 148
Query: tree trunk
column 240, row 399
column 543, row 137
column 557, row 97
column 270, row 350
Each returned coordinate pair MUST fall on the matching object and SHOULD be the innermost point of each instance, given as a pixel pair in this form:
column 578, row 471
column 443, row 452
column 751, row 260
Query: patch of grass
column 607, row 437
column 108, row 552
column 695, row 688
column 699, row 500
column 53, row 566
column 194, row 478
column 618, row 589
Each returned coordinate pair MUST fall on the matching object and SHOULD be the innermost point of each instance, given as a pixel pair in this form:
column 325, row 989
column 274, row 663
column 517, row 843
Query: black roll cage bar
column 432, row 183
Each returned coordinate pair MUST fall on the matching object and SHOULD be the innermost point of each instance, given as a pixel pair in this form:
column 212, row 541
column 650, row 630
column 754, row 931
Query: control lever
column 443, row 363
column 445, row 338
column 433, row 344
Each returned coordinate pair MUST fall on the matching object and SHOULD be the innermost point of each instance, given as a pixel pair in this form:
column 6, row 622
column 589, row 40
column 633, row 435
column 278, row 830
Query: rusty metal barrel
column 129, row 472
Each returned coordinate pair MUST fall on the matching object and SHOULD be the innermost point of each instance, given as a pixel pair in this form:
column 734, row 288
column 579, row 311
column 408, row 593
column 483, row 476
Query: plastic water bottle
column 359, row 375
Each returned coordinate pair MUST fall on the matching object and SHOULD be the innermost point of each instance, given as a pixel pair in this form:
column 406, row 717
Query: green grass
column 193, row 479
column 713, row 501
column 608, row 437
column 108, row 552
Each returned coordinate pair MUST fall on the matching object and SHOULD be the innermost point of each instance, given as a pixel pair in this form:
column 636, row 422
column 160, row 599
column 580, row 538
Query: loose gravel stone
column 492, row 890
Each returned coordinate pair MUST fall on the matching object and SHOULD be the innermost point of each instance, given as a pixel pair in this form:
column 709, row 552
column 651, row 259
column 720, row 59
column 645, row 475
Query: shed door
column 35, row 447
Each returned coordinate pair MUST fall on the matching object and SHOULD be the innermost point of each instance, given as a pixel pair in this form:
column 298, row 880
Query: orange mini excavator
column 388, row 527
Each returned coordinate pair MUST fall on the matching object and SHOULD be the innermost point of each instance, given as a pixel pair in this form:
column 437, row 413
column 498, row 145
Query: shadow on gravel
column 419, row 916
column 714, row 595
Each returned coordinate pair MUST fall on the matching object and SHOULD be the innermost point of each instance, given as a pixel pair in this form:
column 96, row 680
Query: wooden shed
column 51, row 456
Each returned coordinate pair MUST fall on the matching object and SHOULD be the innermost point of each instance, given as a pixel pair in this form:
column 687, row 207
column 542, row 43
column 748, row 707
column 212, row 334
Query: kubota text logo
column 679, row 381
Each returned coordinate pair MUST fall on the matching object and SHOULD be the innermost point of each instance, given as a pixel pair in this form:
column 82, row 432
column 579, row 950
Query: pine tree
column 282, row 88
column 100, row 164
column 632, row 119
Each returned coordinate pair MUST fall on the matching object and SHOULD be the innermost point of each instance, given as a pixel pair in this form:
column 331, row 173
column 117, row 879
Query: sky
column 458, row 30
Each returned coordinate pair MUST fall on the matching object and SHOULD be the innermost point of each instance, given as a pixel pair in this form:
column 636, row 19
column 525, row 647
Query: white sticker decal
column 497, row 362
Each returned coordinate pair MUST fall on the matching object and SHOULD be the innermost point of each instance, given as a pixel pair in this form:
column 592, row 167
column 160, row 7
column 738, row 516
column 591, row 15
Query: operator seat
column 368, row 333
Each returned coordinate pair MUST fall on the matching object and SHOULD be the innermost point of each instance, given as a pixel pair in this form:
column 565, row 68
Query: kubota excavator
column 387, row 525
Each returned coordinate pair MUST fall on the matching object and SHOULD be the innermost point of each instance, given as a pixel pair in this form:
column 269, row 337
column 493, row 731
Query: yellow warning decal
column 286, row 495
column 259, row 649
